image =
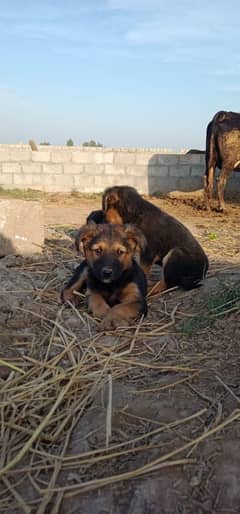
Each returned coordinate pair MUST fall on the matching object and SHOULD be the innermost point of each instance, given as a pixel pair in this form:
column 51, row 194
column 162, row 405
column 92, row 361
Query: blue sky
column 124, row 72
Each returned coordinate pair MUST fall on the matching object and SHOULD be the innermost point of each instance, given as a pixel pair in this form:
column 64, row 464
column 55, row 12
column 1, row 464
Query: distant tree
column 45, row 143
column 92, row 143
column 70, row 142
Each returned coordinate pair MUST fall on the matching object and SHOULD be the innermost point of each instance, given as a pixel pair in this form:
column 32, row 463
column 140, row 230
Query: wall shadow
column 175, row 172
column 184, row 173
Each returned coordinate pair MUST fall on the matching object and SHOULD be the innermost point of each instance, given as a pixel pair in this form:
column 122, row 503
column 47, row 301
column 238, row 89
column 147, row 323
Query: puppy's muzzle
column 107, row 273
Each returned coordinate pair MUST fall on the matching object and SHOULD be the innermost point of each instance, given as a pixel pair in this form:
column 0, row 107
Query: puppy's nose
column 107, row 272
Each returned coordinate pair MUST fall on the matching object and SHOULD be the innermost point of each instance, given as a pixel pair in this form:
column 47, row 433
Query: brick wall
column 89, row 170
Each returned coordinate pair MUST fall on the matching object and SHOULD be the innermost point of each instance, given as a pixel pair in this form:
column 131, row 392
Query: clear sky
column 123, row 72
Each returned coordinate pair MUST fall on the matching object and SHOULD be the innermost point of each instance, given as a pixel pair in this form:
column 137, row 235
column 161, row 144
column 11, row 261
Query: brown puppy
column 169, row 242
column 116, row 285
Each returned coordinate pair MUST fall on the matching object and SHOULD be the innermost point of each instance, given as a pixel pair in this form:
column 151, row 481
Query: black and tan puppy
column 169, row 242
column 116, row 285
column 78, row 281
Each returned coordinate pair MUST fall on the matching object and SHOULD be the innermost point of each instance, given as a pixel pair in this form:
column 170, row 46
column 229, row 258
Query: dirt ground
column 174, row 436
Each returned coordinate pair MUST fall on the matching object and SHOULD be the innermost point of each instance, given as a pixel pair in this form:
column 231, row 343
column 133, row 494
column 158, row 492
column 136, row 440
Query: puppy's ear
column 110, row 198
column 136, row 239
column 84, row 236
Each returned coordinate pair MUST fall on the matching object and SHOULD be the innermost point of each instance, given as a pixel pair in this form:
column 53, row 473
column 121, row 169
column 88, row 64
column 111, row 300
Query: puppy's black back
column 97, row 217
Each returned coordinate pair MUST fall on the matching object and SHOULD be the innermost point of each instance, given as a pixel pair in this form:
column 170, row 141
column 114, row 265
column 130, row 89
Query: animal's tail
column 211, row 153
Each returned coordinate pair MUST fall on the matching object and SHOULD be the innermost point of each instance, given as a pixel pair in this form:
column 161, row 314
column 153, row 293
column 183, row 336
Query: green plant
column 21, row 194
column 212, row 236
column 216, row 306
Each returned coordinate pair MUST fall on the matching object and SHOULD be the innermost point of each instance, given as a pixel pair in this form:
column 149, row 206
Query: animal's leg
column 157, row 287
column 221, row 187
column 133, row 305
column 182, row 269
column 97, row 305
column 208, row 186
column 76, row 283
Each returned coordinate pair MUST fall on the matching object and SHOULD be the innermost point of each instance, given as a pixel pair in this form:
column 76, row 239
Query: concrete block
column 19, row 179
column 11, row 167
column 158, row 171
column 61, row 180
column 73, row 169
column 83, row 157
column 190, row 184
column 6, row 179
column 82, row 182
column 61, row 156
column 190, row 159
column 136, row 171
column 31, row 168
column 41, row 156
column 110, row 180
column 37, row 180
column 197, row 171
column 94, row 169
column 233, row 184
column 20, row 154
column 103, row 157
column 4, row 154
column 112, row 169
column 21, row 227
column 55, row 169
column 179, row 171
column 162, row 185
column 146, row 158
column 124, row 158
column 140, row 183
column 170, row 159
column 235, row 176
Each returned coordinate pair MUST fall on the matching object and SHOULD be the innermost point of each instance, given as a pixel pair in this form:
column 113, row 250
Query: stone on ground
column 21, row 227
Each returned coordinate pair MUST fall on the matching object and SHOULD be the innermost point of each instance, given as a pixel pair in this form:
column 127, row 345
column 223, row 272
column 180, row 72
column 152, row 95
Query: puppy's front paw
column 112, row 321
column 100, row 311
column 69, row 295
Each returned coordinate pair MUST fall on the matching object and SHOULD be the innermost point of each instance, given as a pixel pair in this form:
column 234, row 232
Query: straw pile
column 64, row 371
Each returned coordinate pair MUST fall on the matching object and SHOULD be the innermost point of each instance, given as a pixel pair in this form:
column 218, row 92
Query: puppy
column 116, row 285
column 169, row 243
column 78, row 281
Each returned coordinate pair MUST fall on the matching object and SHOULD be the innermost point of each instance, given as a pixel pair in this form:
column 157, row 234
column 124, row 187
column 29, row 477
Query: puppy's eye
column 120, row 252
column 98, row 251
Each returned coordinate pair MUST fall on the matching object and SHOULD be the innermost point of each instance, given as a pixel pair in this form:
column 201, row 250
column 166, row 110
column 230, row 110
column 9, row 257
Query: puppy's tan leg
column 97, row 304
column 161, row 285
column 133, row 306
column 120, row 315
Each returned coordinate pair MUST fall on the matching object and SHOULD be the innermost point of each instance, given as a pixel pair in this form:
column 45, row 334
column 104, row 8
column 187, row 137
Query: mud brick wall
column 90, row 170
